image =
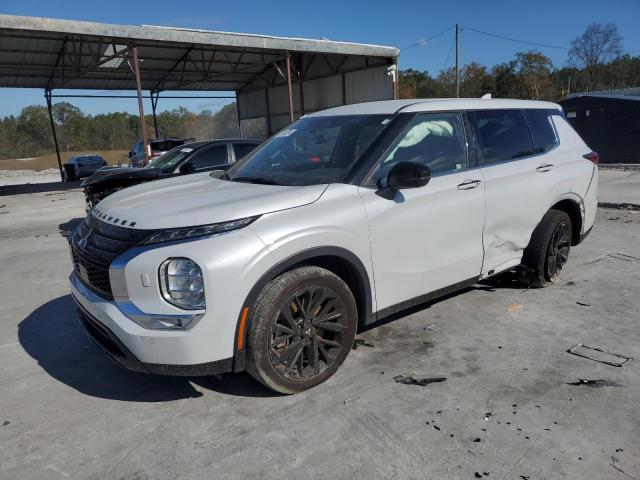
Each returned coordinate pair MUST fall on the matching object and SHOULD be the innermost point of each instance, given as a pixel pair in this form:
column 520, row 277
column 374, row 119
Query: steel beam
column 143, row 127
column 47, row 96
column 154, row 103
column 289, row 88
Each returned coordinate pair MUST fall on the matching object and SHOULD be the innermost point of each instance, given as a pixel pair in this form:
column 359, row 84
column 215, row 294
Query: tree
column 506, row 81
column 534, row 69
column 417, row 84
column 600, row 43
column 475, row 81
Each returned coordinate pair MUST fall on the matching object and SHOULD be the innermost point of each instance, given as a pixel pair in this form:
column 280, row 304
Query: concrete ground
column 506, row 410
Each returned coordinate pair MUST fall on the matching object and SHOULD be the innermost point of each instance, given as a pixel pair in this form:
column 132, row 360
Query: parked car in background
column 156, row 148
column 82, row 166
column 344, row 218
column 187, row 158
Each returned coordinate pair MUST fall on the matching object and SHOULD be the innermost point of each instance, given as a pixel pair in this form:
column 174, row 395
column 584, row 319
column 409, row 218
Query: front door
column 427, row 238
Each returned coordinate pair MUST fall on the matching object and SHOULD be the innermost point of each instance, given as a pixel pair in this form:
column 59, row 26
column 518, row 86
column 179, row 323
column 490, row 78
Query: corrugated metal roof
column 51, row 53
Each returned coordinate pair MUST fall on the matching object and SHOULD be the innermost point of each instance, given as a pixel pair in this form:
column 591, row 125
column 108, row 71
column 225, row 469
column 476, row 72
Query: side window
column 544, row 135
column 502, row 135
column 242, row 149
column 436, row 140
column 210, row 157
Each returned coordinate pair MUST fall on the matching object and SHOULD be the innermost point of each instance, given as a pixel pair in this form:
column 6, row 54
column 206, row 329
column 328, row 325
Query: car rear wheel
column 302, row 329
column 548, row 251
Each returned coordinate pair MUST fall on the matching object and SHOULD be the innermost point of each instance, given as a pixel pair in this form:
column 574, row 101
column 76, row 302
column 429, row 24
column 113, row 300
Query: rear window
column 544, row 135
column 242, row 149
column 503, row 135
column 90, row 159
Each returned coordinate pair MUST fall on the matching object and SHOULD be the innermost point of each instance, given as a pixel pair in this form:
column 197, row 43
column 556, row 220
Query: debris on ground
column 624, row 256
column 361, row 342
column 513, row 307
column 599, row 355
column 619, row 206
column 594, row 383
column 422, row 380
column 584, row 304
column 613, row 464
column 5, row 423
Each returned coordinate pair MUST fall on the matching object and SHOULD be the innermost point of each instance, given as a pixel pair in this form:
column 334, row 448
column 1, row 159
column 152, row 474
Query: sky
column 399, row 24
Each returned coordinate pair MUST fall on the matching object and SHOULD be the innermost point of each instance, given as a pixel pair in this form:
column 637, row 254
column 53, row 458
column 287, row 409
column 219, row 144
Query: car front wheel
column 302, row 329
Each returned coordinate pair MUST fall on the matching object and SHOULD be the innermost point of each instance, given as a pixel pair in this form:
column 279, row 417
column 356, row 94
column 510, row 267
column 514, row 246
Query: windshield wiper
column 260, row 180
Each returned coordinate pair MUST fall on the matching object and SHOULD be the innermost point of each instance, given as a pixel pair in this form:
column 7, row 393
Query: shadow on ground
column 38, row 188
column 53, row 336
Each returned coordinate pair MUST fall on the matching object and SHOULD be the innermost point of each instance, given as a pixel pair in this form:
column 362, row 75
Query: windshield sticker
column 186, row 150
column 286, row 133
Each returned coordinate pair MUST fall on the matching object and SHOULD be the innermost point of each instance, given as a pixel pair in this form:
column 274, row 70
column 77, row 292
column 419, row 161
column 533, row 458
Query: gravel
column 28, row 173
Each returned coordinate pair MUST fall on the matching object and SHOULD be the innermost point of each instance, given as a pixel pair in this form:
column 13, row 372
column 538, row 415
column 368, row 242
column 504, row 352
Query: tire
column 548, row 251
column 301, row 330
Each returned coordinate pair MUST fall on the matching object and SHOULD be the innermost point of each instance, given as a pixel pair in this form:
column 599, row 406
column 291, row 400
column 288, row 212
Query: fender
column 246, row 312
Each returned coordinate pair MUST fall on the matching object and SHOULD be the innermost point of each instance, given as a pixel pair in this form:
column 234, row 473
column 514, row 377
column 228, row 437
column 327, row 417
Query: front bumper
column 134, row 347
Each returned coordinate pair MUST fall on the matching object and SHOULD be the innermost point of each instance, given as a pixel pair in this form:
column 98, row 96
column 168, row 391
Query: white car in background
column 345, row 217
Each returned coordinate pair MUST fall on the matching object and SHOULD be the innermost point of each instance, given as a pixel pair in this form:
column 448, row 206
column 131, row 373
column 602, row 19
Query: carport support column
column 289, row 87
column 154, row 103
column 47, row 96
column 143, row 127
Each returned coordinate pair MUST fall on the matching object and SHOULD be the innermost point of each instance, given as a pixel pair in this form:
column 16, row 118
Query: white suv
column 346, row 216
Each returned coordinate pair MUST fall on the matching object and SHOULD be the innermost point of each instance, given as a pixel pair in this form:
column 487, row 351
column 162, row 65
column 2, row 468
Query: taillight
column 593, row 157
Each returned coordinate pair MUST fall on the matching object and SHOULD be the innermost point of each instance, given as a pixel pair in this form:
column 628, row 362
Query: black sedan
column 188, row 158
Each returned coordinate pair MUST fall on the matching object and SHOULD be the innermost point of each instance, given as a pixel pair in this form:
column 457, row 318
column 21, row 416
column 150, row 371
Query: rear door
column 429, row 238
column 520, row 180
column 209, row 158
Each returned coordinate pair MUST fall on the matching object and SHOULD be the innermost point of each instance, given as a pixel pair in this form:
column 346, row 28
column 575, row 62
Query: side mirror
column 405, row 175
column 187, row 168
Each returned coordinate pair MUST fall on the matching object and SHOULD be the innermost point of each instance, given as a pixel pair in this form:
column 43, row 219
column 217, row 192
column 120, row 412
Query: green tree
column 534, row 70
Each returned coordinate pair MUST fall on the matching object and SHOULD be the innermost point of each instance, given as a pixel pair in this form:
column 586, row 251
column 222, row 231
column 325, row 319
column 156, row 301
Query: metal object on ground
column 422, row 380
column 599, row 355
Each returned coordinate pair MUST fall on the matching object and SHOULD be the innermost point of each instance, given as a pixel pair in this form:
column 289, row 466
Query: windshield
column 170, row 160
column 311, row 151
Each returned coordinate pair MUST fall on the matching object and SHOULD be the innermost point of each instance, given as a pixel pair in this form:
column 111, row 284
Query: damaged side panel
column 517, row 197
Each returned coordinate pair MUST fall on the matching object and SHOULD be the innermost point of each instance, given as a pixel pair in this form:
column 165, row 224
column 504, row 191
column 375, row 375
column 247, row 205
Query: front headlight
column 181, row 283
column 172, row 234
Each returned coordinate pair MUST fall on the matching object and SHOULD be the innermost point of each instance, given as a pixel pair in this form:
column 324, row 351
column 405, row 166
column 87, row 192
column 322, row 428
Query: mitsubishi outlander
column 344, row 217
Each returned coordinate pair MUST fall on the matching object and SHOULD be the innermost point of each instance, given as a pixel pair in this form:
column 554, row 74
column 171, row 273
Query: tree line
column 29, row 134
column 595, row 62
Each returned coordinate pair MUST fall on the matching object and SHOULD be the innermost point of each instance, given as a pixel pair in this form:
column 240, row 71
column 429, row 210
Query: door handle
column 468, row 184
column 545, row 167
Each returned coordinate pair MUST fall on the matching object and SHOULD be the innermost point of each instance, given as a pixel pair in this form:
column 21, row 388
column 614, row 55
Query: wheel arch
column 572, row 208
column 337, row 260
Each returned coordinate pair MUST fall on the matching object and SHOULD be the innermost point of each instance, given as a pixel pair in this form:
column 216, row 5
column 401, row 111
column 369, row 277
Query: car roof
column 432, row 104
column 203, row 143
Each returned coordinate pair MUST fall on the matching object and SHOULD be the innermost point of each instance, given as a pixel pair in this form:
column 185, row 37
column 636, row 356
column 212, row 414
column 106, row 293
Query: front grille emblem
column 82, row 243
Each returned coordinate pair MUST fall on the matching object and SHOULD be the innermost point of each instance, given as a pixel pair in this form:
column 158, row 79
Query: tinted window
column 433, row 139
column 242, row 149
column 544, row 136
column 209, row 157
column 502, row 135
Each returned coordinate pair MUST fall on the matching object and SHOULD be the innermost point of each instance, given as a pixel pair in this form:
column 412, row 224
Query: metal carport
column 274, row 78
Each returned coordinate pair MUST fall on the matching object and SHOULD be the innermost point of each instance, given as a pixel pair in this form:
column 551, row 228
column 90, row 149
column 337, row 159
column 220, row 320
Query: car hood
column 198, row 199
column 121, row 173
